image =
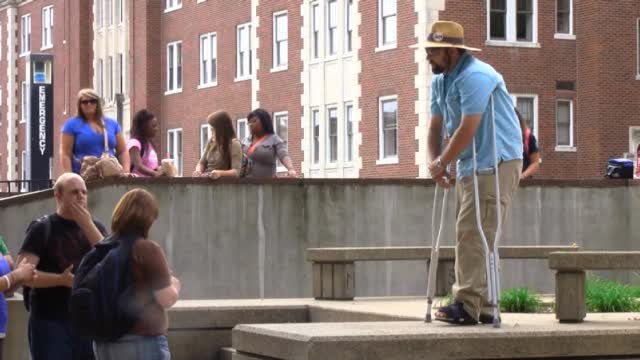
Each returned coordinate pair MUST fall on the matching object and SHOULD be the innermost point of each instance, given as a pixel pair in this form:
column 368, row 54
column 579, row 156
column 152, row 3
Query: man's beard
column 436, row 69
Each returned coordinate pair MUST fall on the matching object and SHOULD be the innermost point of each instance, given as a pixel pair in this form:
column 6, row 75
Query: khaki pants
column 471, row 280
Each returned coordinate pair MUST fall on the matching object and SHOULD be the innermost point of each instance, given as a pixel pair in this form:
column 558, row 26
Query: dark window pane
column 498, row 25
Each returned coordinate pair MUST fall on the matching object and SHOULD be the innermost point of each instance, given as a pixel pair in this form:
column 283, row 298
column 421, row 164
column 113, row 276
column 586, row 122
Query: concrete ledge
column 418, row 341
column 595, row 260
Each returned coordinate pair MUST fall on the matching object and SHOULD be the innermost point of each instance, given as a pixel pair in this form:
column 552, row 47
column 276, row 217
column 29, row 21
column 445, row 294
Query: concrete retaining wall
column 247, row 240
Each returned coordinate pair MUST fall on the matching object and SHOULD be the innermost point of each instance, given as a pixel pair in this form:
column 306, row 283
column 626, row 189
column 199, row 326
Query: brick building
column 346, row 92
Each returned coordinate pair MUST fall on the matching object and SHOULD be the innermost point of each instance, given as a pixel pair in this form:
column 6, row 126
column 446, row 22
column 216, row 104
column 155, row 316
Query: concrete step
column 537, row 336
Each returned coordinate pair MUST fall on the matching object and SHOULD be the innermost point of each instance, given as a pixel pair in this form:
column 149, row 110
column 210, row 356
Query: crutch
column 492, row 258
column 435, row 244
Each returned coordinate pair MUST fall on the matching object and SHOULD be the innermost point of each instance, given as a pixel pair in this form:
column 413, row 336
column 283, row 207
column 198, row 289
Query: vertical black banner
column 41, row 128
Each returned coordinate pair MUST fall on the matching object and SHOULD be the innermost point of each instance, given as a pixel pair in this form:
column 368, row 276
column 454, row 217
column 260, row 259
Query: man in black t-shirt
column 71, row 234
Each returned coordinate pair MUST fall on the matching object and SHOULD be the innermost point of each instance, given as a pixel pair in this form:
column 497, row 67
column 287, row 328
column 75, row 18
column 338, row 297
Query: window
column 348, row 118
column 242, row 132
column 173, row 5
column 282, row 126
column 527, row 105
column 332, row 135
column 109, row 93
column 280, row 40
column 25, row 102
column 315, row 126
column 174, row 148
column 315, row 31
column 99, row 19
column 24, row 186
column 564, row 124
column 348, row 41
column 388, row 128
column 332, row 27
column 512, row 21
column 108, row 12
column 25, row 34
column 119, row 12
column 241, row 129
column 47, row 27
column 208, row 59
column 100, row 77
column 564, row 17
column 387, row 23
column 243, row 52
column 174, row 67
column 205, row 135
column 120, row 73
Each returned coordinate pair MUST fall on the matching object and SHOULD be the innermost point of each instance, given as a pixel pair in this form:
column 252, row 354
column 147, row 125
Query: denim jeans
column 134, row 347
column 52, row 340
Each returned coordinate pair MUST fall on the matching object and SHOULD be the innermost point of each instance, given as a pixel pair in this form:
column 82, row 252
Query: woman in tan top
column 156, row 289
column 223, row 153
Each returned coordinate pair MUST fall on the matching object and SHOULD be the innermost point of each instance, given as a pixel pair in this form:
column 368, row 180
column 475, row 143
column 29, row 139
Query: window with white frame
column 173, row 4
column 564, row 17
column 47, row 27
column 348, row 20
column 109, row 92
column 24, row 185
column 388, row 126
column 280, row 40
column 100, row 77
column 281, row 120
column 119, row 11
column 174, row 148
column 174, row 66
column 243, row 51
column 120, row 73
column 332, row 134
column 205, row 135
column 242, row 131
column 315, row 31
column 108, row 12
column 25, row 34
column 25, row 102
column 564, row 124
column 527, row 105
column 98, row 12
column 208, row 59
column 332, row 27
column 387, row 23
column 512, row 20
column 315, row 129
column 348, row 119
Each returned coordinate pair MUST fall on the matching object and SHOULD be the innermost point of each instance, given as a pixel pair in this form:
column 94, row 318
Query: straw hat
column 445, row 34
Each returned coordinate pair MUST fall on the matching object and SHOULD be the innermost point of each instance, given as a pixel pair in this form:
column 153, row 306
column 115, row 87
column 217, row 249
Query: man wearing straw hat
column 462, row 91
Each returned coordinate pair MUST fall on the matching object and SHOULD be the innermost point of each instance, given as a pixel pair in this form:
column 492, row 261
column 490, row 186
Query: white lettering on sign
column 42, row 119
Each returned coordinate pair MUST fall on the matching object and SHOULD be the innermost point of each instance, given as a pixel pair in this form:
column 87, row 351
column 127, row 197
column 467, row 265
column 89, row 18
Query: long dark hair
column 265, row 120
column 140, row 121
column 223, row 130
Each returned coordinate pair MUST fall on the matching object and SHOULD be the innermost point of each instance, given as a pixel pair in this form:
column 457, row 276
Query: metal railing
column 15, row 187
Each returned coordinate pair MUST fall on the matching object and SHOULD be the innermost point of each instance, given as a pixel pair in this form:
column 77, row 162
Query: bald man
column 56, row 244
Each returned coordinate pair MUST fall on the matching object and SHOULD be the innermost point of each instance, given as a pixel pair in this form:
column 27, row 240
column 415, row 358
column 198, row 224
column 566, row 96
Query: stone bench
column 570, row 269
column 334, row 268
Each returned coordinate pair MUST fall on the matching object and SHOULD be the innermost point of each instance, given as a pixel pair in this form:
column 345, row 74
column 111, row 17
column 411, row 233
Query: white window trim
column 381, row 159
column 381, row 46
column 177, row 90
column 514, row 98
column 52, row 14
column 24, row 114
column 180, row 166
column 347, row 162
column 510, row 30
column 327, row 137
column 572, row 145
column 203, row 145
column 248, row 76
column 246, row 126
column 327, row 52
column 564, row 36
column 315, row 59
column 284, row 67
column 280, row 167
column 28, row 46
column 209, row 84
column 346, row 51
column 170, row 9
column 313, row 151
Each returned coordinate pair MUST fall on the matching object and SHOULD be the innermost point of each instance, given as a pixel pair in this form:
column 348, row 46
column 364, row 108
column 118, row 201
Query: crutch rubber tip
column 428, row 319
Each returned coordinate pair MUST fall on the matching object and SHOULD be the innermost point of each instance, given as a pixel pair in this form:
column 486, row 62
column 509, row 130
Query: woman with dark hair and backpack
column 222, row 156
column 531, row 152
column 155, row 289
column 264, row 148
column 144, row 159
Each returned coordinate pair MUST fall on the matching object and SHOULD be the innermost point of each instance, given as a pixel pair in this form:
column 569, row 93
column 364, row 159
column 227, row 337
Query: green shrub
column 520, row 300
column 611, row 296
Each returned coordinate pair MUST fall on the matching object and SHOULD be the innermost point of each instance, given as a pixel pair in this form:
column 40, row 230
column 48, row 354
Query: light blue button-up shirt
column 467, row 91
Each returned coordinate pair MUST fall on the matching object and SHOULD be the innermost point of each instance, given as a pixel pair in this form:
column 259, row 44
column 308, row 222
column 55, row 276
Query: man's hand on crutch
column 439, row 173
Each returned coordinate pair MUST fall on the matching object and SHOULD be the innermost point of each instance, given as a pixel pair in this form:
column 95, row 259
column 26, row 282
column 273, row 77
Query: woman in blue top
column 83, row 135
